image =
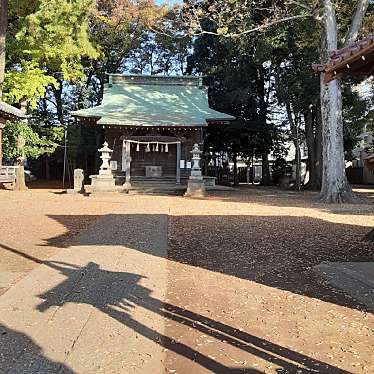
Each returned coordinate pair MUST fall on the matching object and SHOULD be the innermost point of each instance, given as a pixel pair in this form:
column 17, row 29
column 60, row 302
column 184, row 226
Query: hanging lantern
column 137, row 147
column 148, row 149
column 166, row 148
column 157, row 147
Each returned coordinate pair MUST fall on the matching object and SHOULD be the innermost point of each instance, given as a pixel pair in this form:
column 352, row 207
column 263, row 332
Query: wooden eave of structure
column 354, row 60
column 93, row 121
column 370, row 159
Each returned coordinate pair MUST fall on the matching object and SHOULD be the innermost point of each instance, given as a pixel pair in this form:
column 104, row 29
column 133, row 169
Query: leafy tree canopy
column 46, row 43
column 34, row 144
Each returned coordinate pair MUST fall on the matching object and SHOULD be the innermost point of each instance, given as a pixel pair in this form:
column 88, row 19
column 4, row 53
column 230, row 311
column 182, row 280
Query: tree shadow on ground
column 276, row 251
column 117, row 293
column 20, row 355
column 273, row 196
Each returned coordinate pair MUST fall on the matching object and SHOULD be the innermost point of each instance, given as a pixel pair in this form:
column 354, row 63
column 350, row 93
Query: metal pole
column 63, row 173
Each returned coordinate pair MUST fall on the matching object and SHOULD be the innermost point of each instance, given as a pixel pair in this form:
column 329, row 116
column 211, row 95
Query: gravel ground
column 241, row 294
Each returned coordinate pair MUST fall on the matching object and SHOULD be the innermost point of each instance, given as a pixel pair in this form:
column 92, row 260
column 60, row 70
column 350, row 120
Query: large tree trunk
column 313, row 135
column 311, row 144
column 335, row 186
column 3, row 29
column 357, row 20
column 57, row 92
column 296, row 141
column 20, row 184
column 319, row 157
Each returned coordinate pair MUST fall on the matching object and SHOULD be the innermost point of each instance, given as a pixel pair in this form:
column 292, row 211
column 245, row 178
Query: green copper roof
column 154, row 101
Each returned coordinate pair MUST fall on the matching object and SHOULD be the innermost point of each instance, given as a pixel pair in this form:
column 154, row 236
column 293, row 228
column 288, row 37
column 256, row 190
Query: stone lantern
column 104, row 182
column 195, row 186
column 106, row 155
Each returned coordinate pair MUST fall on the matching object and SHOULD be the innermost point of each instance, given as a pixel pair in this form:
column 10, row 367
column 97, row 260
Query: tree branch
column 357, row 21
column 256, row 29
column 301, row 5
column 234, row 35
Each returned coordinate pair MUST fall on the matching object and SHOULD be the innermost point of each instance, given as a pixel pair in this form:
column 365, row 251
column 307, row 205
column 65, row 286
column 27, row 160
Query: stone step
column 157, row 191
column 153, row 183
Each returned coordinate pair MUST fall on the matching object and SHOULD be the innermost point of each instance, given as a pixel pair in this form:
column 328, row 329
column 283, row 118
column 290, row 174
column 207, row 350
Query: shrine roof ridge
column 167, row 80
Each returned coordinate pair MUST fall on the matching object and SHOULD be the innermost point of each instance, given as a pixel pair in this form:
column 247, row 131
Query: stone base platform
column 102, row 183
column 355, row 278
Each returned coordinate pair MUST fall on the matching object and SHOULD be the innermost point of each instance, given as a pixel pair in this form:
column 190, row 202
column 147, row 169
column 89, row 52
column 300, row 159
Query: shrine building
column 151, row 123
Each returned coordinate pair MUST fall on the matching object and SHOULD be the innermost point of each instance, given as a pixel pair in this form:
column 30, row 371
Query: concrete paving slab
column 355, row 278
column 7, row 278
column 93, row 307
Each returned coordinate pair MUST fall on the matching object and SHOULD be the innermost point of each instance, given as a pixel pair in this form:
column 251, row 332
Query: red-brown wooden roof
column 354, row 60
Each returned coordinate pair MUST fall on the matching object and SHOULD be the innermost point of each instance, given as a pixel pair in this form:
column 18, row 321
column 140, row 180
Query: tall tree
column 335, row 186
column 3, row 29
column 237, row 18
column 297, row 90
column 240, row 83
column 117, row 28
column 47, row 44
column 47, row 41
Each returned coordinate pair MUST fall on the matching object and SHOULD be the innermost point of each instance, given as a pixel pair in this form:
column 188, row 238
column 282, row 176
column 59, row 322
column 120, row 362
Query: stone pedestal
column 195, row 188
column 195, row 184
column 104, row 182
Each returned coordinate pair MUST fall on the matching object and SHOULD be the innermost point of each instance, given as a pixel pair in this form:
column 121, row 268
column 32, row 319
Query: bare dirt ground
column 241, row 294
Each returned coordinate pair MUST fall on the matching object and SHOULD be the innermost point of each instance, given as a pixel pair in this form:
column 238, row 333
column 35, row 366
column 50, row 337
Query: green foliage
column 11, row 133
column 35, row 145
column 27, row 82
column 47, row 43
column 56, row 36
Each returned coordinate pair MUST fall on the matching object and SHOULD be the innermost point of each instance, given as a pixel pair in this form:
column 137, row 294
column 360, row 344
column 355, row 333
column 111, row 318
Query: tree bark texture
column 295, row 139
column 356, row 24
column 313, row 136
column 335, row 186
column 311, row 144
column 3, row 29
column 319, row 153
column 57, row 91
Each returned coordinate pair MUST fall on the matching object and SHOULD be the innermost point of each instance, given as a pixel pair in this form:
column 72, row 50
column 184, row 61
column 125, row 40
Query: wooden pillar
column 126, row 162
column 179, row 153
